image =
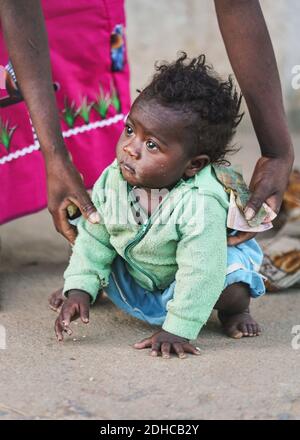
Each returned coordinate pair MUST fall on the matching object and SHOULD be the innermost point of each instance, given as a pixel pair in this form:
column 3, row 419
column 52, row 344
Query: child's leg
column 233, row 311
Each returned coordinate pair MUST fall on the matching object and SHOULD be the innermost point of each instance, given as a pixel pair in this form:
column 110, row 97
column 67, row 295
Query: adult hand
column 65, row 186
column 269, row 181
column 164, row 342
column 77, row 305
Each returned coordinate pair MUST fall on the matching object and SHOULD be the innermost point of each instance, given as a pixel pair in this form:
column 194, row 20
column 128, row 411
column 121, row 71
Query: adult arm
column 251, row 54
column 26, row 40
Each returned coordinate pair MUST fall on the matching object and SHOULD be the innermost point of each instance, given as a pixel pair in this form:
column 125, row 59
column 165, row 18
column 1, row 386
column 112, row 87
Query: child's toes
column 233, row 332
column 257, row 330
column 250, row 330
column 244, row 329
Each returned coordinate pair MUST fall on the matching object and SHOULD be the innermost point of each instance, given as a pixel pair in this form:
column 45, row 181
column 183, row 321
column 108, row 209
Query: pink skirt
column 91, row 77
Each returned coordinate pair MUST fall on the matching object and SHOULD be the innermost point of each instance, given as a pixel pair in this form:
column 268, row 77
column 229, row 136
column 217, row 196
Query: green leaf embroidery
column 85, row 109
column 6, row 133
column 115, row 99
column 102, row 103
column 70, row 113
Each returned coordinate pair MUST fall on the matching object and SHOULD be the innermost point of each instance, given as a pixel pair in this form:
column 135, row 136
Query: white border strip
column 66, row 134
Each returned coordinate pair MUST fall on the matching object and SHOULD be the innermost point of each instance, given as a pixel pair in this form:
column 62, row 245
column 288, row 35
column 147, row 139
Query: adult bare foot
column 239, row 325
column 56, row 299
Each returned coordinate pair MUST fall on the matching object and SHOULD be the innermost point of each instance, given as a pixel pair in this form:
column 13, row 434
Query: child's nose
column 133, row 149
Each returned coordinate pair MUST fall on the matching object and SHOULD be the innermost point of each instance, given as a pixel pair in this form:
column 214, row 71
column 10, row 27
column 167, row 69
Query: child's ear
column 196, row 164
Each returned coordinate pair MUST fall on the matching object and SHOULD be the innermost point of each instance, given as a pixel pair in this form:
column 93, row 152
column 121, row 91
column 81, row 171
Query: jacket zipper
column 132, row 243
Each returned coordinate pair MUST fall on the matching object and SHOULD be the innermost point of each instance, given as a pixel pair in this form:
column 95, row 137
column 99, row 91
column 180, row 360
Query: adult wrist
column 286, row 154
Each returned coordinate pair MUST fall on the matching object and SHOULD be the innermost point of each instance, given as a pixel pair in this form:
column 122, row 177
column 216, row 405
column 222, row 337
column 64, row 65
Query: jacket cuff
column 182, row 327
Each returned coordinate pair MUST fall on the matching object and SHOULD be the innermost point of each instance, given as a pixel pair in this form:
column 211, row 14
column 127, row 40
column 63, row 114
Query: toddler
column 160, row 252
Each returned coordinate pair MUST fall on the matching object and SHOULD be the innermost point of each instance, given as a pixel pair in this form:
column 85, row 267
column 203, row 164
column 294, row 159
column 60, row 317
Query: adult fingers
column 62, row 225
column 239, row 238
column 86, row 206
column 258, row 197
column 274, row 202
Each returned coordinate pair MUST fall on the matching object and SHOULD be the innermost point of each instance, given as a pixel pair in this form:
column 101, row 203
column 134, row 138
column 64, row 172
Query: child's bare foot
column 56, row 300
column 239, row 325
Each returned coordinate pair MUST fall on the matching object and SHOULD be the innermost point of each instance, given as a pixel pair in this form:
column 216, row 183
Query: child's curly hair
column 191, row 86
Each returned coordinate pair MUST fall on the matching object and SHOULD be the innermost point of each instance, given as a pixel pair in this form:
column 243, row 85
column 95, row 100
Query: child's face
column 150, row 151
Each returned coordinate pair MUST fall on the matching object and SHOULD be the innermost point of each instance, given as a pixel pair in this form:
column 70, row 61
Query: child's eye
column 151, row 145
column 128, row 130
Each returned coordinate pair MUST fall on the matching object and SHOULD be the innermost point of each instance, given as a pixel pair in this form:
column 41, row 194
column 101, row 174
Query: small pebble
column 91, row 379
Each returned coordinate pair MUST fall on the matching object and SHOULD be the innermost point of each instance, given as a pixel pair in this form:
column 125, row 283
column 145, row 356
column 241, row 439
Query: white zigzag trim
column 66, row 134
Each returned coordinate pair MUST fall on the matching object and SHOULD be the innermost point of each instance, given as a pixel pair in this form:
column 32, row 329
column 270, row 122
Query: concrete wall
column 158, row 29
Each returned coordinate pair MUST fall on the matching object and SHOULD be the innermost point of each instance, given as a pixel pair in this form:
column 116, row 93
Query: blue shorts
column 243, row 262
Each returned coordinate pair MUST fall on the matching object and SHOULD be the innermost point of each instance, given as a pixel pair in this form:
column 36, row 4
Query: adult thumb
column 87, row 208
column 255, row 202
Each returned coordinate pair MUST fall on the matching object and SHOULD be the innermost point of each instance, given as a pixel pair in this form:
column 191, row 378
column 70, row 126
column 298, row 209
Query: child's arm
column 91, row 260
column 201, row 258
column 87, row 273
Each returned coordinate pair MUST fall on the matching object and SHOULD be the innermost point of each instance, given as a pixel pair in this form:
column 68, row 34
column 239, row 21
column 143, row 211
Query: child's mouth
column 127, row 167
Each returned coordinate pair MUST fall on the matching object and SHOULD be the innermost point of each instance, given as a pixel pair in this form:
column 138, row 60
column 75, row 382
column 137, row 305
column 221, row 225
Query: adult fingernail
column 249, row 213
column 94, row 217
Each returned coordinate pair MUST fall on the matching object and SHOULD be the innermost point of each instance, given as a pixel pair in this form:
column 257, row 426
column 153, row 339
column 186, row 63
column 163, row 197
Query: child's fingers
column 155, row 348
column 58, row 328
column 67, row 314
column 178, row 348
column 189, row 348
column 145, row 343
column 240, row 237
column 165, row 350
column 84, row 313
column 55, row 300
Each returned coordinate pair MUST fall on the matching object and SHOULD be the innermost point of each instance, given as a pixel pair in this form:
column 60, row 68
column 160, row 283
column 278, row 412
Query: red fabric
column 79, row 38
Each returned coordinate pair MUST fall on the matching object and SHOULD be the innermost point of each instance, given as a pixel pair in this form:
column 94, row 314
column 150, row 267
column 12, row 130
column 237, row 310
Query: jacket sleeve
column 90, row 264
column 202, row 258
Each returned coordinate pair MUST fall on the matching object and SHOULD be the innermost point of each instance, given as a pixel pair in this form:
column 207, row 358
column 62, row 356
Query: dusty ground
column 99, row 375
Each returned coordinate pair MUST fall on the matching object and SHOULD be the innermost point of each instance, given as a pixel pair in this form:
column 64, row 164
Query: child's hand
column 164, row 342
column 240, row 237
column 77, row 305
